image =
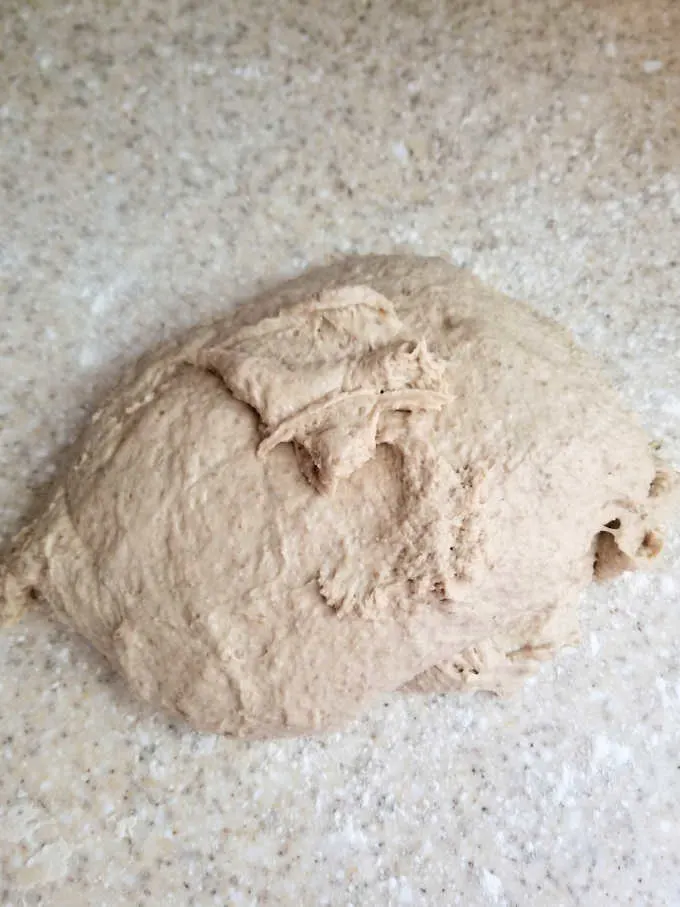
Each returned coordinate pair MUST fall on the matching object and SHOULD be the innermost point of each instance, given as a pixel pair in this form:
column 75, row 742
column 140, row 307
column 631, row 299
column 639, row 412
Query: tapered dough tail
column 20, row 574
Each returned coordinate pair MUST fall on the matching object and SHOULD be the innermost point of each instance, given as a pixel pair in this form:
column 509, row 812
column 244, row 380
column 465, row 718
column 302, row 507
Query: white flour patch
column 493, row 887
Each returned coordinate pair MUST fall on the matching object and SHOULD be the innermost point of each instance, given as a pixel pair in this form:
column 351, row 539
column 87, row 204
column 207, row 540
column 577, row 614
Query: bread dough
column 381, row 476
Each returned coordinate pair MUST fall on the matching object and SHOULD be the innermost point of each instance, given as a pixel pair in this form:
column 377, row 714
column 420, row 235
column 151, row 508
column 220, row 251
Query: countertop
column 162, row 160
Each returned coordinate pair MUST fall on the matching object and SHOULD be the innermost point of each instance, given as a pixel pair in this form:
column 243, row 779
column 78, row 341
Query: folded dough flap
column 632, row 537
column 322, row 374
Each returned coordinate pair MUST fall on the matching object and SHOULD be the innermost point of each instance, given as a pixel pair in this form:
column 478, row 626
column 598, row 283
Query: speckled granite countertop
column 159, row 159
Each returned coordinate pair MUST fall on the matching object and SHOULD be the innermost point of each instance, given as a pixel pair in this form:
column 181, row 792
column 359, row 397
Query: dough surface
column 380, row 476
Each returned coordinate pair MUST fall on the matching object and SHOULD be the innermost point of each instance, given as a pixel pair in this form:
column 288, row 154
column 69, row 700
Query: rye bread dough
column 381, row 476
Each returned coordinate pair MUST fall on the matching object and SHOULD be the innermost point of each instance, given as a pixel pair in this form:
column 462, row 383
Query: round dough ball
column 382, row 475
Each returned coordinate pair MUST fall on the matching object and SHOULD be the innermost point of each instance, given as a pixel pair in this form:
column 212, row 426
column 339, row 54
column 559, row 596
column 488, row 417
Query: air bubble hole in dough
column 381, row 476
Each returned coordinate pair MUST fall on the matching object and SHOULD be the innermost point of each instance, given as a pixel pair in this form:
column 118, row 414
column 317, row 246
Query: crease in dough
column 381, row 476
